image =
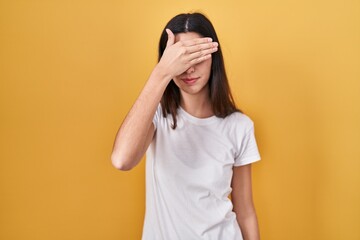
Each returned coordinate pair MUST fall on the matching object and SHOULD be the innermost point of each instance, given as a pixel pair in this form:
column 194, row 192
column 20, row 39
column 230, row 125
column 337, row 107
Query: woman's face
column 194, row 80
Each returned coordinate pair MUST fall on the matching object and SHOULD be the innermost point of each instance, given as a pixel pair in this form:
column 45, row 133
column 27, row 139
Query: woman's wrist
column 157, row 82
column 162, row 74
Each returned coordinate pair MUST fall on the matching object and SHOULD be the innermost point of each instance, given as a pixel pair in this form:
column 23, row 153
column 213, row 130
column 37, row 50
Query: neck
column 197, row 106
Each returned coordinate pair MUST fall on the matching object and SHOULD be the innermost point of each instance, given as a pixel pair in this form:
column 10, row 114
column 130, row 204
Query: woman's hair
column 222, row 101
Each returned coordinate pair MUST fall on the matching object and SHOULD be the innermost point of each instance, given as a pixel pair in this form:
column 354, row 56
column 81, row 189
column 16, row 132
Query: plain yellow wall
column 70, row 71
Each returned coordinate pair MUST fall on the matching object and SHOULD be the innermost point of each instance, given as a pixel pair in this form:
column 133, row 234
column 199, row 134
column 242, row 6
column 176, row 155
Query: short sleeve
column 248, row 151
column 157, row 116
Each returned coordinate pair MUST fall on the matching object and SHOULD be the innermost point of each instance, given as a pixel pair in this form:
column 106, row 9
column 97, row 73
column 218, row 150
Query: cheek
column 206, row 67
column 177, row 81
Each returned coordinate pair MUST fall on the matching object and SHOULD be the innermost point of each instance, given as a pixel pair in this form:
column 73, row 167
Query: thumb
column 171, row 37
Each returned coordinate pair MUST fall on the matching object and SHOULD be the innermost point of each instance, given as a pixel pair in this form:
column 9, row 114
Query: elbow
column 121, row 163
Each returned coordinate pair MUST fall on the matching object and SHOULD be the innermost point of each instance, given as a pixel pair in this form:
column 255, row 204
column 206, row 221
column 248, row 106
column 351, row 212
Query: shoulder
column 239, row 120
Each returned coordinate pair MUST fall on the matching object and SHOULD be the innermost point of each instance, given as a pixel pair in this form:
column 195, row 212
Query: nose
column 190, row 70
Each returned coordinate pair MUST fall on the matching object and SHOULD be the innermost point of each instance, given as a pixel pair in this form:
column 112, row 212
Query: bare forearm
column 249, row 226
column 129, row 145
column 243, row 202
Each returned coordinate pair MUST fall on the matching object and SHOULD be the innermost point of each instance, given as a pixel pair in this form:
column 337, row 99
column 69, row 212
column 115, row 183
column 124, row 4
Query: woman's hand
column 180, row 56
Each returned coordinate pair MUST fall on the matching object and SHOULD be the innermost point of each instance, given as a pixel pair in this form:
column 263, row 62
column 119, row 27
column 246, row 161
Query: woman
column 199, row 145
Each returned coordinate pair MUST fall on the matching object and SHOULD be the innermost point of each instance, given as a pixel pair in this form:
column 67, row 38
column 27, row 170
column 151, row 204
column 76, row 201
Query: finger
column 171, row 37
column 199, row 59
column 202, row 53
column 201, row 47
column 196, row 41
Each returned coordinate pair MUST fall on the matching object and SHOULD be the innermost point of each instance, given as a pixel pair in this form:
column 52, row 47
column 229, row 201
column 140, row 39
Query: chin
column 192, row 90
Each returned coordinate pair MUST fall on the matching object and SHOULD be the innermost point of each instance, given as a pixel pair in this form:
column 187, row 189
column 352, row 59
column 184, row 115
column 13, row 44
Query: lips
column 190, row 81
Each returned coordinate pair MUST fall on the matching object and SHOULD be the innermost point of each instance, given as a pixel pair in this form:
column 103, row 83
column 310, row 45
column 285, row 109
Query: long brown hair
column 222, row 101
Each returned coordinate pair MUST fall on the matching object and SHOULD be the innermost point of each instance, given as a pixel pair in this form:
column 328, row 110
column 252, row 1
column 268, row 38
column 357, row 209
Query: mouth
column 190, row 80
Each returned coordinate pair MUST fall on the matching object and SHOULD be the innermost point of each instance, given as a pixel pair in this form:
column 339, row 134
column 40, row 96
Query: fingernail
column 210, row 39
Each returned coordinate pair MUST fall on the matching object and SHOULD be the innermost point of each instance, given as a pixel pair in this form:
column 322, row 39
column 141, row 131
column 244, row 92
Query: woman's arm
column 137, row 130
column 243, row 202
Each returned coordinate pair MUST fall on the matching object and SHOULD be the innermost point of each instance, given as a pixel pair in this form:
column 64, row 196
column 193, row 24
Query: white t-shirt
column 188, row 176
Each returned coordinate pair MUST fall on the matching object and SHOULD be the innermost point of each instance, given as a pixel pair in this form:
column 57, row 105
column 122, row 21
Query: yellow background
column 70, row 71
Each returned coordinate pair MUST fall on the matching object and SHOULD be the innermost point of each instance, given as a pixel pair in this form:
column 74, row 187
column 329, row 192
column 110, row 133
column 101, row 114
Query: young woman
column 199, row 145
